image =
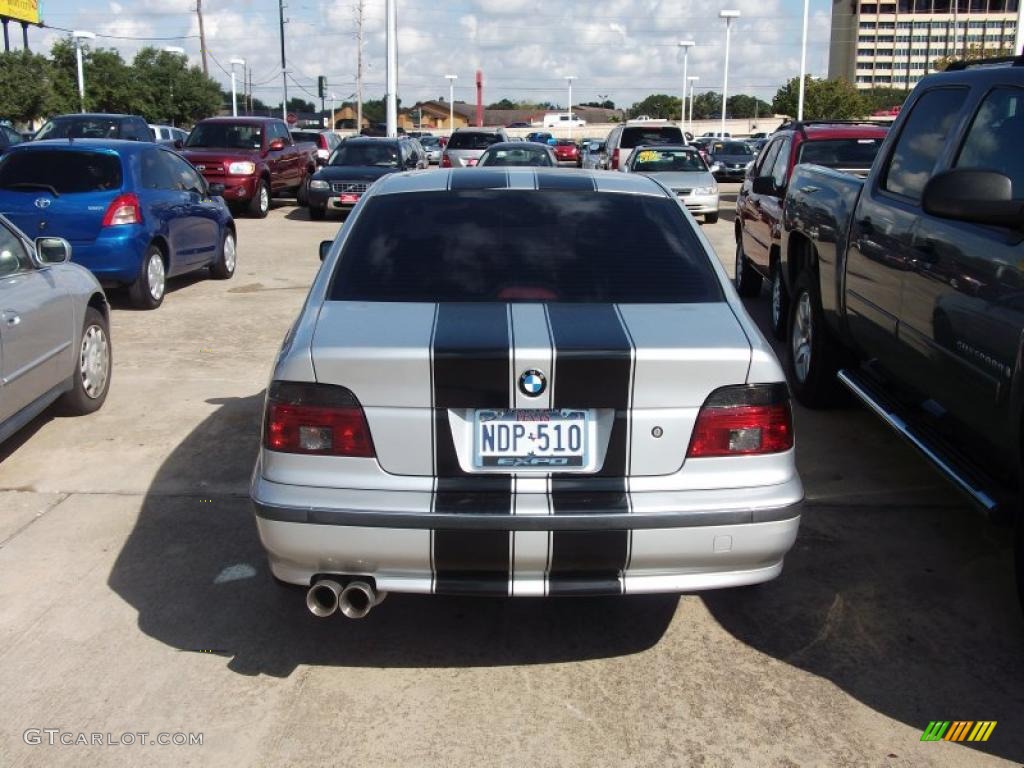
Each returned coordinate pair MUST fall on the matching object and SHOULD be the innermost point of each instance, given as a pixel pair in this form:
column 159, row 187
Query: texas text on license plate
column 530, row 439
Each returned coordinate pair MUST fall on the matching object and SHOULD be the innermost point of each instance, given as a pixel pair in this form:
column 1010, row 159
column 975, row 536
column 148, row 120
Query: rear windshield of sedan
column 852, row 154
column 81, row 128
column 61, row 171
column 668, row 161
column 525, row 156
column 732, row 148
column 472, row 140
column 509, row 245
column 634, row 137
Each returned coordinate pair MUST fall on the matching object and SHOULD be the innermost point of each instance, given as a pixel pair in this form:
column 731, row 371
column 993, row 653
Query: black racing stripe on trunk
column 481, row 178
column 593, row 355
column 470, row 370
column 573, row 182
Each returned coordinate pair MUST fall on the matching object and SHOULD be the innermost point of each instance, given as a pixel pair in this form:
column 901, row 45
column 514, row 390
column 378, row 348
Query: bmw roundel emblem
column 532, row 383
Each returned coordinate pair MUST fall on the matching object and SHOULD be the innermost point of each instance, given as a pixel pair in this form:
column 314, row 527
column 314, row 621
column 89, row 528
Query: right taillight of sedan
column 744, row 420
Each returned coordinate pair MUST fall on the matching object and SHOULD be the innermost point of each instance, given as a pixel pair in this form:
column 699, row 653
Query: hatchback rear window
column 61, row 171
column 472, row 140
column 634, row 137
column 509, row 245
column 848, row 154
column 81, row 128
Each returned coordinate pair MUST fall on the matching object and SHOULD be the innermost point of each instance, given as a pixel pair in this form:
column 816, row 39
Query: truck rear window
column 61, row 171
column 634, row 136
column 847, row 154
column 509, row 245
column 472, row 140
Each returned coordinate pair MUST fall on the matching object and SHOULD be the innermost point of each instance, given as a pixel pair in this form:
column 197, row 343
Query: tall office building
column 894, row 44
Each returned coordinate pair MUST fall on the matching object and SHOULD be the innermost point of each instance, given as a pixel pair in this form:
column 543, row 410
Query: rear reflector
column 446, row 162
column 124, row 209
column 615, row 159
column 743, row 421
column 319, row 419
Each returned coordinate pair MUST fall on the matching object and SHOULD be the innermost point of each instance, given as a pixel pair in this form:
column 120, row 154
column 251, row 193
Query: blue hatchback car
column 134, row 212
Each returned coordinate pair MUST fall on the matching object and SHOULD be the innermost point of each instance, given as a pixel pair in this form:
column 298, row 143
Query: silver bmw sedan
column 523, row 382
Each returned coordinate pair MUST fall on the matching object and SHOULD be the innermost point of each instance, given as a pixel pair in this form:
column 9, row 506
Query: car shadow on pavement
column 195, row 571
column 905, row 601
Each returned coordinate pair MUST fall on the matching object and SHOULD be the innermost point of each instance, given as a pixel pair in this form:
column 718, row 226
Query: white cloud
column 619, row 49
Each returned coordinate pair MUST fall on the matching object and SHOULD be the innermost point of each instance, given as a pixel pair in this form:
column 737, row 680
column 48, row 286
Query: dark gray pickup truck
column 907, row 287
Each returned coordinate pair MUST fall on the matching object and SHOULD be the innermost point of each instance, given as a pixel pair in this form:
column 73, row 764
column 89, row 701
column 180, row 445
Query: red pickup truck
column 253, row 158
column 846, row 146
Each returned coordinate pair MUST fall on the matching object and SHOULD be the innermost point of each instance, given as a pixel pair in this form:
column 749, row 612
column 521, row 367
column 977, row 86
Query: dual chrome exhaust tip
column 354, row 600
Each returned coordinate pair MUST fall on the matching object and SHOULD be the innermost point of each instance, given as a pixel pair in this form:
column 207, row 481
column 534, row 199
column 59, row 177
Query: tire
column 223, row 268
column 747, row 279
column 259, row 206
column 149, row 288
column 316, row 213
column 302, row 193
column 93, row 366
column 811, row 352
column 778, row 307
column 710, row 218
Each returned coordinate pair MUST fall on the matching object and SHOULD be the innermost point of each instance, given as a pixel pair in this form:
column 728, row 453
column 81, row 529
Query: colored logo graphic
column 958, row 730
column 532, row 383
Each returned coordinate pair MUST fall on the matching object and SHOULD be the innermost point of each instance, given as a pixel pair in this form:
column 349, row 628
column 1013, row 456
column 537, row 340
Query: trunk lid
column 421, row 370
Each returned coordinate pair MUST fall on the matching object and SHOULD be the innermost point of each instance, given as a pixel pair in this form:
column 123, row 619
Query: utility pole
column 284, row 70
column 202, row 34
column 359, row 66
column 391, row 16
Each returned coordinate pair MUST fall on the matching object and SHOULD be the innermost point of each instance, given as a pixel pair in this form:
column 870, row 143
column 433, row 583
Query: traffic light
column 321, row 84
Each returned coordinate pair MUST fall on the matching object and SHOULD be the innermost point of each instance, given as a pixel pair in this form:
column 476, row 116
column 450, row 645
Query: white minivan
column 561, row 120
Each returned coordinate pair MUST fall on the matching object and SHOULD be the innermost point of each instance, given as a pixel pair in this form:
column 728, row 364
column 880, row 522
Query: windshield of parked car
column 383, row 154
column 512, row 245
column 471, row 140
column 566, row 143
column 60, row 171
column 430, row 142
column 311, row 136
column 225, row 136
column 635, row 136
column 667, row 160
column 80, row 128
column 848, row 154
column 525, row 155
column 732, row 148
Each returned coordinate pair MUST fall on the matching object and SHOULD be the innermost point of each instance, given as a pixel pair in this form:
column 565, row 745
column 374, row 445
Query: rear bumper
column 114, row 256
column 325, row 198
column 709, row 539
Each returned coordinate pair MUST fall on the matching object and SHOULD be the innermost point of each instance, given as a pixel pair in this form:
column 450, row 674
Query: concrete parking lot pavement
column 136, row 598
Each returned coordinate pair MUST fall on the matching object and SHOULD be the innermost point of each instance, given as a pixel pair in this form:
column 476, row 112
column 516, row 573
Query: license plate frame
column 547, row 439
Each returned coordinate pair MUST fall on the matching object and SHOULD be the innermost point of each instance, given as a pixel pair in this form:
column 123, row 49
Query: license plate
column 531, row 439
column 349, row 198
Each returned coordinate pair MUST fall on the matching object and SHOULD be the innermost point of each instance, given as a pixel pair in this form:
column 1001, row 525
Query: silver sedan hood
column 684, row 180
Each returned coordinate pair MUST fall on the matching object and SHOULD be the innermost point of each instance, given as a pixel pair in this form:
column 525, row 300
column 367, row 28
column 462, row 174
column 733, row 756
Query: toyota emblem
column 43, row 202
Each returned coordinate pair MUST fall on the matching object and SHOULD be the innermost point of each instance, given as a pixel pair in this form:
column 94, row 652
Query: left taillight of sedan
column 319, row 419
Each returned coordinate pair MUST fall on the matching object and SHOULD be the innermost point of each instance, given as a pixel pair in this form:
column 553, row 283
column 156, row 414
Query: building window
column 888, row 8
column 887, row 25
column 869, row 9
column 865, row 52
column 866, row 39
column 864, row 25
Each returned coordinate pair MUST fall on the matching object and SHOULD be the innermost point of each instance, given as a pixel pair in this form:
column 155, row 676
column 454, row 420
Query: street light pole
column 803, row 63
column 693, row 92
column 178, row 50
column 728, row 16
column 391, row 14
column 451, row 102
column 685, row 45
column 234, row 94
column 569, row 79
column 79, row 36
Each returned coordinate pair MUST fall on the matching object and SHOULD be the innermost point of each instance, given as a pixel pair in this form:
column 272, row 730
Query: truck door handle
column 11, row 317
column 925, row 253
column 809, row 189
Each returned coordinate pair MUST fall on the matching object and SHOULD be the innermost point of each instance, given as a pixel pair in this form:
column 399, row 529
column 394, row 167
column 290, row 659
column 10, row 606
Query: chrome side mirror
column 53, row 250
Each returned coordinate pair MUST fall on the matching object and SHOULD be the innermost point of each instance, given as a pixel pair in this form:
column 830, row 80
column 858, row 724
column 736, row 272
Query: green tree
column 109, row 83
column 657, row 105
column 883, row 98
column 172, row 91
column 973, row 53
column 606, row 104
column 823, row 100
column 26, row 86
column 741, row 105
column 707, row 105
column 504, row 104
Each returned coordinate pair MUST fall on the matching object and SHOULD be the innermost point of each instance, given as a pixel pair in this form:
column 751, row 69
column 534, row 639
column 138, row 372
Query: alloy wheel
column 94, row 361
column 156, row 276
column 802, row 336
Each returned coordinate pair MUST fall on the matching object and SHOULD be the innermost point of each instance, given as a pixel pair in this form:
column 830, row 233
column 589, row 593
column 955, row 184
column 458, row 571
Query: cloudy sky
column 617, row 49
